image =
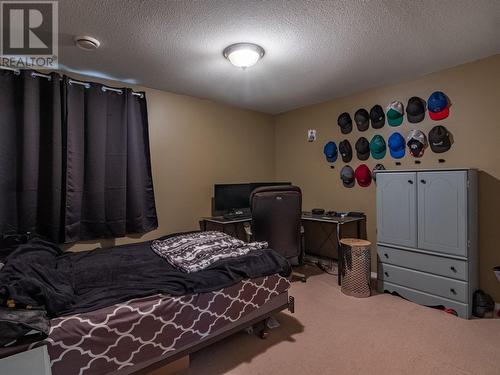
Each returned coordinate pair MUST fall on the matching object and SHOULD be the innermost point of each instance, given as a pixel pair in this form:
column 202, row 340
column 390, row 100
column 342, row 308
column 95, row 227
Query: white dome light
column 243, row 55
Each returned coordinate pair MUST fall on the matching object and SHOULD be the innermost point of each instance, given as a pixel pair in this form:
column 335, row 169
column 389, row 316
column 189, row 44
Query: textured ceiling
column 315, row 50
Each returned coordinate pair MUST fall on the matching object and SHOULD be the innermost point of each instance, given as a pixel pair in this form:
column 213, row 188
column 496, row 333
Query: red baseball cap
column 436, row 116
column 363, row 175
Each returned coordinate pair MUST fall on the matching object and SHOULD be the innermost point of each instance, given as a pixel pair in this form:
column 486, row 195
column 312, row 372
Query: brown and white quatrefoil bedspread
column 142, row 329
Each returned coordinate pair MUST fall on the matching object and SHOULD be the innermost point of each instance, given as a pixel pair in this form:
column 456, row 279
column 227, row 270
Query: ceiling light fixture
column 243, row 55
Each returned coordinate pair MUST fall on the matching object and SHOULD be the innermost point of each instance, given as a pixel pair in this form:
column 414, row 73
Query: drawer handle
column 453, row 291
column 387, row 256
column 423, row 181
column 453, row 269
column 386, row 273
column 410, row 182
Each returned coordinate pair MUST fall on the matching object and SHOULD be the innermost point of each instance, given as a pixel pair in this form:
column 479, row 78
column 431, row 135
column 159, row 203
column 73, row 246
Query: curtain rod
column 16, row 71
column 104, row 88
column 71, row 81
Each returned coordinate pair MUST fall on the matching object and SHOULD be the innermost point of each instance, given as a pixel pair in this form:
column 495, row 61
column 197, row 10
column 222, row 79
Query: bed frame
column 276, row 304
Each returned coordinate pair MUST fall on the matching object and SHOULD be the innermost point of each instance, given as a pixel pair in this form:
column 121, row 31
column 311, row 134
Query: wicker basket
column 356, row 267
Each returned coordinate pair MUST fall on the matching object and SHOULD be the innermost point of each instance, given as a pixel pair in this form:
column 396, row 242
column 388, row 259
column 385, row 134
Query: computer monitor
column 229, row 197
column 236, row 197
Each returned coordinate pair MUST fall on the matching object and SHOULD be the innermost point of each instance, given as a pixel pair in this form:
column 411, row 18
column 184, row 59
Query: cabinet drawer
column 463, row 310
column 441, row 286
column 456, row 269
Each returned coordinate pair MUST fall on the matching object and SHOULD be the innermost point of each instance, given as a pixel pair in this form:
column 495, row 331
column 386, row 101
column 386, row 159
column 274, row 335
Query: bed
column 150, row 330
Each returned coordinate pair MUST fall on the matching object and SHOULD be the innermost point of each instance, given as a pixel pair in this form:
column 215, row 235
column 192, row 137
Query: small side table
column 356, row 267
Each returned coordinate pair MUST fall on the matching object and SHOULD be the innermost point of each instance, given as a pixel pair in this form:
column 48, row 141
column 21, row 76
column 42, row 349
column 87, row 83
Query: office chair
column 276, row 219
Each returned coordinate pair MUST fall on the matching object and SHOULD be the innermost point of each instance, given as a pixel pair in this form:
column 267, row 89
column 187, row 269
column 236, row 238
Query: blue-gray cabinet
column 427, row 236
column 397, row 208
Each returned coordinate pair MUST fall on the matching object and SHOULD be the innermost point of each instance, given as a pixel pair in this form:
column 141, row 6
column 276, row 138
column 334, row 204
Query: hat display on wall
column 415, row 109
column 345, row 122
column 438, row 106
column 362, row 148
column 417, row 143
column 378, row 147
column 331, row 152
column 439, row 139
column 377, row 117
column 397, row 145
column 378, row 167
column 345, row 150
column 347, row 176
column 363, row 175
column 395, row 113
column 362, row 119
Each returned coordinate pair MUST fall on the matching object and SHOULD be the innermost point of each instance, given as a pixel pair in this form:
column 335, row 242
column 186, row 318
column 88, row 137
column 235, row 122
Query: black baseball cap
column 415, row 109
column 363, row 148
column 378, row 167
column 362, row 118
column 439, row 139
column 345, row 122
column 345, row 150
column 377, row 116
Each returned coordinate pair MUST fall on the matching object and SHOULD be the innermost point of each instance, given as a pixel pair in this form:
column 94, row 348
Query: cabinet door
column 397, row 208
column 442, row 212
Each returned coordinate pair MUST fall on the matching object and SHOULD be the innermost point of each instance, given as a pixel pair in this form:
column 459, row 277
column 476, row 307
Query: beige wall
column 194, row 144
column 474, row 90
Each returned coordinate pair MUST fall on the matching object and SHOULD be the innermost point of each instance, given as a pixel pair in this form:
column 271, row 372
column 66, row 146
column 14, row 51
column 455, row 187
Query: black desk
column 321, row 233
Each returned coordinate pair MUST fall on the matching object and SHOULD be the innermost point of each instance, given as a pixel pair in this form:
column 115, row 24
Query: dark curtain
column 109, row 188
column 30, row 154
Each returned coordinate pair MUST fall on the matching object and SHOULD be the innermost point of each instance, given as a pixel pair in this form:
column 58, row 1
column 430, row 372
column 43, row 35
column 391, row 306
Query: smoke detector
column 87, row 43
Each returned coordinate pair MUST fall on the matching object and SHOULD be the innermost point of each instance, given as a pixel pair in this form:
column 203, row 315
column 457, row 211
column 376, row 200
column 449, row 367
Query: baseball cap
column 378, row 167
column 362, row 118
column 363, row 175
column 345, row 122
column 378, row 147
column 330, row 151
column 345, row 150
column 397, row 145
column 415, row 109
column 417, row 143
column 362, row 148
column 395, row 113
column 439, row 139
column 377, row 116
column 347, row 176
column 438, row 105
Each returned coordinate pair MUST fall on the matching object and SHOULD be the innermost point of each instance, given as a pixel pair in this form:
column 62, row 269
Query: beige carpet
column 331, row 333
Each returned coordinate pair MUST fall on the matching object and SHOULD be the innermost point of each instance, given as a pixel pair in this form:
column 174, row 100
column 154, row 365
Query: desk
column 321, row 233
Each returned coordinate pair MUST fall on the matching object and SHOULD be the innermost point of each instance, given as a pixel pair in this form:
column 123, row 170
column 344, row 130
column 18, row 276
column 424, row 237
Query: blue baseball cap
column 438, row 106
column 397, row 145
column 331, row 152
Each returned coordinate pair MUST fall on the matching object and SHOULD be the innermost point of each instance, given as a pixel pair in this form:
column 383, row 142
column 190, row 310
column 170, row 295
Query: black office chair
column 276, row 219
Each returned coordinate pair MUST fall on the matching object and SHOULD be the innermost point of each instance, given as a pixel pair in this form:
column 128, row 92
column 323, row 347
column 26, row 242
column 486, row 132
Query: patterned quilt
column 194, row 252
column 126, row 334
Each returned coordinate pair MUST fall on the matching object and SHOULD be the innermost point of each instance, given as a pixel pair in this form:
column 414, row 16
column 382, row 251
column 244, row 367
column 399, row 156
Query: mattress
column 121, row 336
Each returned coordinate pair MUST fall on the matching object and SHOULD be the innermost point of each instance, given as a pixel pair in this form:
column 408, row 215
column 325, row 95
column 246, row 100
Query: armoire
column 427, row 236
